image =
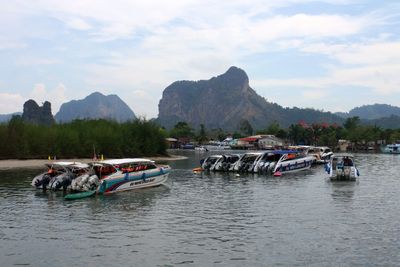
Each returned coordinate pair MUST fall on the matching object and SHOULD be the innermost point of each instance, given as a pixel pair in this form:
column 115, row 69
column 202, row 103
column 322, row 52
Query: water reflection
column 343, row 190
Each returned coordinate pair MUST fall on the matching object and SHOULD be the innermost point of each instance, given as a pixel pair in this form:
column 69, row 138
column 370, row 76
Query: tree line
column 315, row 134
column 81, row 139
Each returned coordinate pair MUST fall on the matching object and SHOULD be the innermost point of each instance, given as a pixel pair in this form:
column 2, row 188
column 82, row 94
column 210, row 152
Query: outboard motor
column 85, row 182
column 41, row 181
column 62, row 181
column 37, row 180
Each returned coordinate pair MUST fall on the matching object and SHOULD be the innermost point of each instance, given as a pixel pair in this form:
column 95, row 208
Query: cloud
column 10, row 103
column 78, row 24
column 367, row 53
column 314, row 94
column 137, row 48
column 56, row 96
column 24, row 61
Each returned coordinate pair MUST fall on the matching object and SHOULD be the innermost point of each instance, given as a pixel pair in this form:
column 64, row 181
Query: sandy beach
column 37, row 163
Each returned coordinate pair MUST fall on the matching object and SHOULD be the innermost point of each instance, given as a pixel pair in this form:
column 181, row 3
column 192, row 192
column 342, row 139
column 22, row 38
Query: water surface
column 210, row 220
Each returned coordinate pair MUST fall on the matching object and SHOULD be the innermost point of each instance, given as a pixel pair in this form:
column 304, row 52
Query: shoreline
column 8, row 164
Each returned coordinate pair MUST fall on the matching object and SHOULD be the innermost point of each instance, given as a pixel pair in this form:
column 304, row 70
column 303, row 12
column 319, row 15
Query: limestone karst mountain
column 95, row 106
column 226, row 100
column 33, row 113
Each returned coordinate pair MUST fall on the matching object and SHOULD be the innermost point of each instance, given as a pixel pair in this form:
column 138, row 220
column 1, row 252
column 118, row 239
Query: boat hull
column 344, row 174
column 132, row 181
column 294, row 165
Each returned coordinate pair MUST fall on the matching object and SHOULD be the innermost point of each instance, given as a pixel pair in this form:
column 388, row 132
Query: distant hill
column 7, row 117
column 371, row 112
column 224, row 101
column 391, row 122
column 95, row 106
column 35, row 114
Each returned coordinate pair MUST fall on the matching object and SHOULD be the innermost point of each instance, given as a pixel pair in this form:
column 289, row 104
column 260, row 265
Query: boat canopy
column 281, row 152
column 125, row 161
column 343, row 155
column 66, row 163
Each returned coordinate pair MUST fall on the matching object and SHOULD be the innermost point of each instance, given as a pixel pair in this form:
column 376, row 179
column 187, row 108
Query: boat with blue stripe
column 127, row 174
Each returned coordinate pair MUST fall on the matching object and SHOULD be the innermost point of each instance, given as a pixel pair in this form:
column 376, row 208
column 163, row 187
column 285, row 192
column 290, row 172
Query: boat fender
column 358, row 172
column 144, row 176
column 326, row 166
column 161, row 170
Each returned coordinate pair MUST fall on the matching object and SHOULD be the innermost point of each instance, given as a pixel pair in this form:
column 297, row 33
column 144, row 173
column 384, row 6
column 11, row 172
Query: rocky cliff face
column 96, row 106
column 224, row 101
column 35, row 114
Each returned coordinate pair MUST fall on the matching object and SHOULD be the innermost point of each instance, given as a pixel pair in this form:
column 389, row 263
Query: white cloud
column 10, row 103
column 35, row 61
column 367, row 53
column 166, row 41
column 56, row 96
column 314, row 94
column 78, row 24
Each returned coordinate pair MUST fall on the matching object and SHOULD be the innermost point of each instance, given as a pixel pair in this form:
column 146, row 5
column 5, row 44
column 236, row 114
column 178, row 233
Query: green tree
column 181, row 129
column 351, row 123
column 245, row 127
column 202, row 136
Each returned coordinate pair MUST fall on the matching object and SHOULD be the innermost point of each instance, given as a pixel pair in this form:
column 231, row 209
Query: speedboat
column 342, row 167
column 124, row 174
column 200, row 149
column 292, row 161
column 59, row 175
column 322, row 154
column 226, row 162
column 266, row 162
column 392, row 149
column 246, row 162
column 219, row 162
column 209, row 162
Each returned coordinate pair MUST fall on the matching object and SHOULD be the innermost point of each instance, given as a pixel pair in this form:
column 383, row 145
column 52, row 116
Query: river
column 301, row 219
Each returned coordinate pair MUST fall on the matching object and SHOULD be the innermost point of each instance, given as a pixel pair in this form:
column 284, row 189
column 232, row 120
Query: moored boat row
column 277, row 162
column 102, row 177
column 269, row 161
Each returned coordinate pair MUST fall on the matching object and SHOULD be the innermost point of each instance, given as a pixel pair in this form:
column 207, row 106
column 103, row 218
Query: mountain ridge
column 223, row 101
column 95, row 106
column 371, row 112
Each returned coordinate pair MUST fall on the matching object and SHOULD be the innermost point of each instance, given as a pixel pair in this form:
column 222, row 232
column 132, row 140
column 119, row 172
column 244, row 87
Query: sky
column 331, row 55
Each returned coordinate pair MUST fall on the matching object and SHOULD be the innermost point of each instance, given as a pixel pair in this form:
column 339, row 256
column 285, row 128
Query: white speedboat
column 293, row 161
column 219, row 162
column 246, row 162
column 59, row 175
column 209, row 162
column 322, row 154
column 342, row 167
column 127, row 174
column 266, row 162
column 392, row 149
column 200, row 149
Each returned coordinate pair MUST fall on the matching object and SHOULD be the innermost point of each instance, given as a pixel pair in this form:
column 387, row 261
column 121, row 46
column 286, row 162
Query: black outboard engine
column 62, row 181
column 41, row 180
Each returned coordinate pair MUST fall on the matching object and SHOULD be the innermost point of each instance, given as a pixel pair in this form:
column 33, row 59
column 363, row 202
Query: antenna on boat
column 94, row 153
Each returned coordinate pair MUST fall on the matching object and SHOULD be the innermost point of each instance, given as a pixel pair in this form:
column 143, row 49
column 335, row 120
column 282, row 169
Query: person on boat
column 347, row 161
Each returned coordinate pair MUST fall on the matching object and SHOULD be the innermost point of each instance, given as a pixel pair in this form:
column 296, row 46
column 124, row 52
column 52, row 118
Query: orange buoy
column 199, row 169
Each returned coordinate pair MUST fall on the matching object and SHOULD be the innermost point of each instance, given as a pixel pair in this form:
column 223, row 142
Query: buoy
column 278, row 173
column 199, row 169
